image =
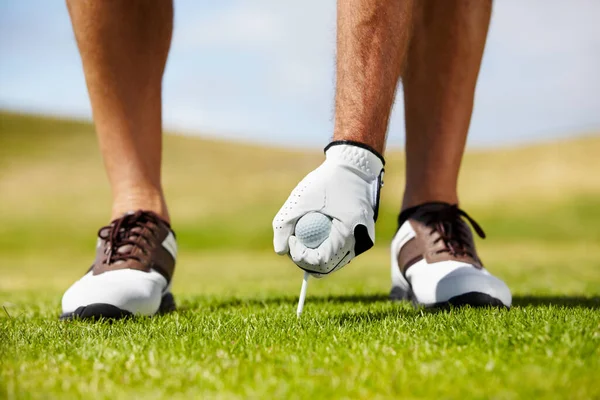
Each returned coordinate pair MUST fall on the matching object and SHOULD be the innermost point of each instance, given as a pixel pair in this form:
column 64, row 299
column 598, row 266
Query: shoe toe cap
column 130, row 290
column 473, row 281
column 435, row 283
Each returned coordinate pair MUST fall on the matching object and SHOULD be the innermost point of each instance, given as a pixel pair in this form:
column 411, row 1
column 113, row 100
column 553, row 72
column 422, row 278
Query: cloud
column 241, row 26
column 264, row 69
column 275, row 63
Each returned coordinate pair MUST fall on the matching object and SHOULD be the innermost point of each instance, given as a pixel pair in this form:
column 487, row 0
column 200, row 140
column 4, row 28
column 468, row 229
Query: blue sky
column 262, row 70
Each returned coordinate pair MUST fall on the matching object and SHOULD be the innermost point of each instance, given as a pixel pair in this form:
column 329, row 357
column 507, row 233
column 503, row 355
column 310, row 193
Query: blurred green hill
column 539, row 201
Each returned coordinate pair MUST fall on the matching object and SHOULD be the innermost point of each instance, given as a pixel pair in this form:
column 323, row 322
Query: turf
column 236, row 335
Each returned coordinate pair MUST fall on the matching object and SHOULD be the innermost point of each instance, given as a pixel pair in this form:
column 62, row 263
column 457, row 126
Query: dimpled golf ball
column 312, row 229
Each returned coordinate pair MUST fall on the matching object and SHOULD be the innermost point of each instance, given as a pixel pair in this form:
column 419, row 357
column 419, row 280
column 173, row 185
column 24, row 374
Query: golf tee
column 302, row 294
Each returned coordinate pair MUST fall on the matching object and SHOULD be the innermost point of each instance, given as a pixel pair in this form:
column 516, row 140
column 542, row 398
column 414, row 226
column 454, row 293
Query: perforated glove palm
column 345, row 188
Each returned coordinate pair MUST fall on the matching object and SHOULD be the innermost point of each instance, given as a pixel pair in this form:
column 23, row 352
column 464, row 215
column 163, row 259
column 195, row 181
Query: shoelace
column 120, row 234
column 446, row 222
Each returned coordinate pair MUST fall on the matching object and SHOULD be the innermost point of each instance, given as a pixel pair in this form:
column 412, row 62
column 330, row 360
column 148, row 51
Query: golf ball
column 312, row 229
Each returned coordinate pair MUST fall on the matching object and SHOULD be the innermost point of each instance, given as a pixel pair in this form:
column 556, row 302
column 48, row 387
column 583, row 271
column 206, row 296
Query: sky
column 263, row 70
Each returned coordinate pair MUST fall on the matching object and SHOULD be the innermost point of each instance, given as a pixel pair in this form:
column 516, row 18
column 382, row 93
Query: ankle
column 140, row 199
column 412, row 199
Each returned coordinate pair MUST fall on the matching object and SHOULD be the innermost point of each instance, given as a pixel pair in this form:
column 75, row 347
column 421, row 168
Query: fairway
column 236, row 334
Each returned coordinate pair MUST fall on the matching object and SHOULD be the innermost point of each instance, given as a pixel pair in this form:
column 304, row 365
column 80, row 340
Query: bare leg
column 124, row 47
column 372, row 41
column 439, row 84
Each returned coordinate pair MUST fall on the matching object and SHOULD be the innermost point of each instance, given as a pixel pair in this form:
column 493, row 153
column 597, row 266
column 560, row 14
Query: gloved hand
column 345, row 188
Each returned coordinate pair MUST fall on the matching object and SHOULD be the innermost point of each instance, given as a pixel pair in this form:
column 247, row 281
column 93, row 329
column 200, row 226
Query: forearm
column 372, row 41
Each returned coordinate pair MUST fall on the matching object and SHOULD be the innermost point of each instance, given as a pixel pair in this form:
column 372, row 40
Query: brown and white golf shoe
column 135, row 261
column 435, row 263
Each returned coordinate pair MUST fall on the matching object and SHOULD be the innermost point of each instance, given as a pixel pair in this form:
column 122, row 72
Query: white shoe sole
column 108, row 311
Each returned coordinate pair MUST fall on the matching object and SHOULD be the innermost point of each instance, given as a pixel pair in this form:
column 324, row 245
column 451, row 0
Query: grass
column 359, row 346
column 236, row 334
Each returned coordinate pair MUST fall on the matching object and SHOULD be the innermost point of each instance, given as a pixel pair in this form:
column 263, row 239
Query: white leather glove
column 345, row 188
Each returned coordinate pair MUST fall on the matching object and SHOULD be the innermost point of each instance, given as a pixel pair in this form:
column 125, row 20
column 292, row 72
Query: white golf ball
column 312, row 229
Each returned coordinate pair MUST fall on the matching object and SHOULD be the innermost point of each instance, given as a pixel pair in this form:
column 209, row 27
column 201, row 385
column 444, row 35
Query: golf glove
column 345, row 188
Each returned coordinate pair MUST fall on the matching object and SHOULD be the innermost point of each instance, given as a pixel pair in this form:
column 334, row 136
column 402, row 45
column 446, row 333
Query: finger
column 328, row 255
column 297, row 205
column 298, row 252
column 284, row 224
column 281, row 235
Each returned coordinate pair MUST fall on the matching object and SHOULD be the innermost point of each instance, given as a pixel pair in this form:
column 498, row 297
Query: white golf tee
column 302, row 294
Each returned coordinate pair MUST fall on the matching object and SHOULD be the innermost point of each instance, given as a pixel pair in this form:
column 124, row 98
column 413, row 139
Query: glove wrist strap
column 357, row 144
